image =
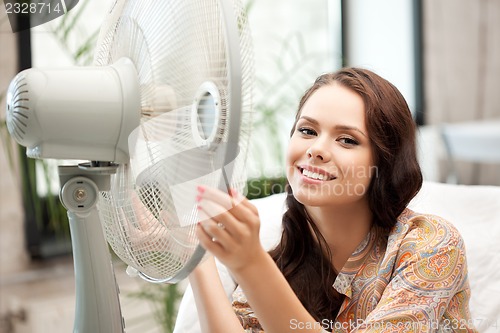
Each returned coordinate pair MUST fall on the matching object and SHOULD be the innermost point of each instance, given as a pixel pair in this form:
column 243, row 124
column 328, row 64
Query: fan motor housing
column 83, row 113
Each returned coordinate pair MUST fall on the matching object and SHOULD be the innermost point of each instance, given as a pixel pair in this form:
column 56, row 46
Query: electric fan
column 165, row 108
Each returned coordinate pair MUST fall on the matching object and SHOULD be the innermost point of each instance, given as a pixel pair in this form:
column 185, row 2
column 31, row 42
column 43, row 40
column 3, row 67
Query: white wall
column 13, row 256
column 380, row 37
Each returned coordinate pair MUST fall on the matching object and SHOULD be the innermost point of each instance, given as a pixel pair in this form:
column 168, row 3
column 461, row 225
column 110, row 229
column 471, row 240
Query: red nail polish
column 200, row 189
column 198, row 198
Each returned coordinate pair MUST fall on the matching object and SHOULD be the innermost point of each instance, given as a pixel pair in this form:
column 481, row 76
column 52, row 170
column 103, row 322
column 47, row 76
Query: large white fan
column 167, row 107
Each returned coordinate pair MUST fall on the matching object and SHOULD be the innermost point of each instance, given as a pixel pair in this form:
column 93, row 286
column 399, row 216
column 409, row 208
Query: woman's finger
column 209, row 210
column 218, row 232
column 242, row 210
column 222, row 198
column 206, row 241
column 242, row 200
column 213, row 238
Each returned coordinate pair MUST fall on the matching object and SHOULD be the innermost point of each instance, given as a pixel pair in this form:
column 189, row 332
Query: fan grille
column 149, row 214
column 18, row 108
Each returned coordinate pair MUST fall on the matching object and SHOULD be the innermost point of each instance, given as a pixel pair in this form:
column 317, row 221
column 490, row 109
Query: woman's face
column 329, row 157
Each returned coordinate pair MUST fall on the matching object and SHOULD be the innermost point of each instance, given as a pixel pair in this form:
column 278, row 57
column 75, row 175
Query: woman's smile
column 315, row 175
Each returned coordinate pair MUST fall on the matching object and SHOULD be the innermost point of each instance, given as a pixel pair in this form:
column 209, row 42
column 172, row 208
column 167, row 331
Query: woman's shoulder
column 426, row 231
column 427, row 249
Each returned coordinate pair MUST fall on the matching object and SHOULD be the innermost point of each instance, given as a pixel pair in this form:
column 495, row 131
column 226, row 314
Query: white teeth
column 314, row 175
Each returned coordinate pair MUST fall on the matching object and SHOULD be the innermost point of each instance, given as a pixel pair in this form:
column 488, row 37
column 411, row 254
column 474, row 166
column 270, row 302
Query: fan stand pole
column 97, row 302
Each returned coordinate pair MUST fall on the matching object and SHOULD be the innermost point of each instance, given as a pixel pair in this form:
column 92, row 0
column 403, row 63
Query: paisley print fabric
column 247, row 318
column 414, row 280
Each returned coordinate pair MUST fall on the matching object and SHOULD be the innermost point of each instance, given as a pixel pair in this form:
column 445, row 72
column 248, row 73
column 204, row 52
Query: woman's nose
column 318, row 153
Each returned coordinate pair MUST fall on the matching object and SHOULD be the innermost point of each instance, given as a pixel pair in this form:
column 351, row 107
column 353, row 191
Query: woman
column 352, row 256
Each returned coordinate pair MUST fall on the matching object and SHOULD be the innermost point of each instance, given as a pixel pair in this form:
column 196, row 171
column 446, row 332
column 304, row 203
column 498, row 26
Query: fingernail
column 200, row 189
column 198, row 198
column 233, row 192
column 198, row 207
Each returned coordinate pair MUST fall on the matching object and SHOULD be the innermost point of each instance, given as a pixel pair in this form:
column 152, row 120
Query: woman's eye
column 349, row 141
column 306, row 131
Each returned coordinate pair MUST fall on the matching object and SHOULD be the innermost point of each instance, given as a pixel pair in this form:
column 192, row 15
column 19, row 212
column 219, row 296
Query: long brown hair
column 304, row 257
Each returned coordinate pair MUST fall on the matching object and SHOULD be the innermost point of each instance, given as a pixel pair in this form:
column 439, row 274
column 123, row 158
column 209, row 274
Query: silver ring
column 220, row 225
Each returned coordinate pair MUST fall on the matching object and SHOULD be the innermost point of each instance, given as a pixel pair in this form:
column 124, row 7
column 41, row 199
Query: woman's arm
column 272, row 299
column 214, row 310
column 230, row 230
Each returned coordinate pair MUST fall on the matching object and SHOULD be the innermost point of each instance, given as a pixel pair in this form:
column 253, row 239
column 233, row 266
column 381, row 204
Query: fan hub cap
column 207, row 116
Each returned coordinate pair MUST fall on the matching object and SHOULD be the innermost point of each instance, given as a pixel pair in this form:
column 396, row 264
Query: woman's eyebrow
column 350, row 128
column 337, row 127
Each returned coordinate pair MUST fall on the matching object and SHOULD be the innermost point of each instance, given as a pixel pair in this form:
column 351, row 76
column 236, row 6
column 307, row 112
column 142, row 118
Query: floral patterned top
column 413, row 281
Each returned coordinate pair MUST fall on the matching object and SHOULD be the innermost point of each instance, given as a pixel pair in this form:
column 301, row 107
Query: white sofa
column 474, row 210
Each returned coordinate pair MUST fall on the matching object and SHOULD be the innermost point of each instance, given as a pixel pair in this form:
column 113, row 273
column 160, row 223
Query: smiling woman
column 327, row 143
column 352, row 255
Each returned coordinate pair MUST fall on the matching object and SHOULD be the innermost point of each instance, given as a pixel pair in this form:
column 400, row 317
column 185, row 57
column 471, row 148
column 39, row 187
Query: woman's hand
column 146, row 231
column 230, row 231
column 229, row 228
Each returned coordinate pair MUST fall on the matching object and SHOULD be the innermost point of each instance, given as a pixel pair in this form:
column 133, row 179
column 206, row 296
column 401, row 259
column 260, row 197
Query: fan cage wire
column 139, row 217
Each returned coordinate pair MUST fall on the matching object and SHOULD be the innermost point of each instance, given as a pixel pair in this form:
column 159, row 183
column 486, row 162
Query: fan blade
column 170, row 171
column 188, row 165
